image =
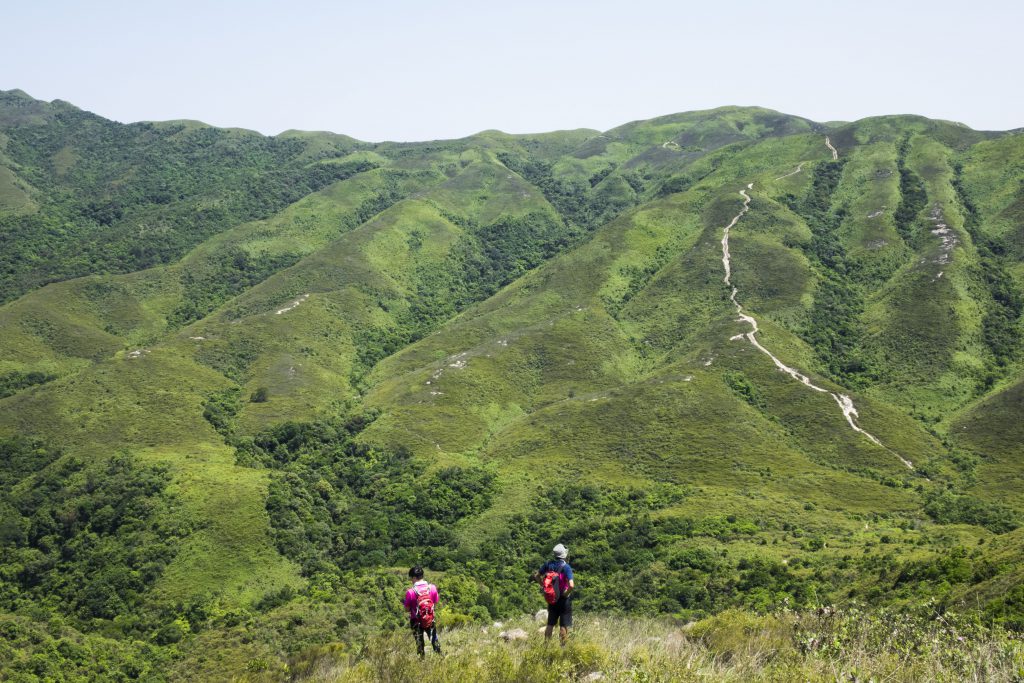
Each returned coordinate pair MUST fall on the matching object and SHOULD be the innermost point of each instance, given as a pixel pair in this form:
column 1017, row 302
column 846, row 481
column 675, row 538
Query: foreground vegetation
column 826, row 645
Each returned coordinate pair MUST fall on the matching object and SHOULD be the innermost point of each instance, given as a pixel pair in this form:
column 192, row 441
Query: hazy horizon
column 404, row 71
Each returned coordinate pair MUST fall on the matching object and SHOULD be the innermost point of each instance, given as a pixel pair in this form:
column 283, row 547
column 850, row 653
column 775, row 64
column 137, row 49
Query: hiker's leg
column 565, row 620
column 434, row 642
column 552, row 620
column 547, row 632
column 418, row 630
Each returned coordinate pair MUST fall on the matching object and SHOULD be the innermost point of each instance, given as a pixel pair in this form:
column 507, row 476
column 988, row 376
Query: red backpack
column 424, row 606
column 551, row 584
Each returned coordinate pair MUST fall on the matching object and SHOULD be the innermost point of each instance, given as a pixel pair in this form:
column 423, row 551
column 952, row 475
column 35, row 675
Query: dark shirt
column 560, row 566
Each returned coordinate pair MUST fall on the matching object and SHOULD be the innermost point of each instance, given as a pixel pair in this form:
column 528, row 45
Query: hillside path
column 845, row 403
column 799, row 167
column 835, row 152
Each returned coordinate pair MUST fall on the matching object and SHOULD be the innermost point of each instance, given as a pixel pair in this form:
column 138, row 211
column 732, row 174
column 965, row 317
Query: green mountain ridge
column 327, row 358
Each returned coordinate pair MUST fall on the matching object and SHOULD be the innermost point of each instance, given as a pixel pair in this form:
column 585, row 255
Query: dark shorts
column 561, row 611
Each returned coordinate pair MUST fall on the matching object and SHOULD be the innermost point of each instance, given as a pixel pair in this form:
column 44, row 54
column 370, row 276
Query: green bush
column 12, row 382
column 913, row 197
column 87, row 540
column 220, row 409
column 946, row 507
column 833, row 326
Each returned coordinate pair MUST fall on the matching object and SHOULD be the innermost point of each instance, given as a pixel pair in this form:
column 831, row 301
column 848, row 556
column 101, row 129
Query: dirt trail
column 946, row 236
column 835, row 152
column 799, row 167
column 293, row 304
column 845, row 402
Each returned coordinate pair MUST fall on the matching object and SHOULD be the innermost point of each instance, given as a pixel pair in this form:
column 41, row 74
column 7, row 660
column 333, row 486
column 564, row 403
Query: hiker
column 419, row 602
column 555, row 578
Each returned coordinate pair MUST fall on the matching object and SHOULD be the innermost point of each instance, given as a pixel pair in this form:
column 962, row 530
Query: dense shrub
column 84, row 539
column 946, row 507
column 833, row 325
column 1003, row 310
column 220, row 409
column 913, row 197
column 336, row 505
column 12, row 382
column 142, row 194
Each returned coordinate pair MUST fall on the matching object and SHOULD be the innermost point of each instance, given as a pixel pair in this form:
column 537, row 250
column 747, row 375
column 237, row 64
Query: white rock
column 593, row 676
column 541, row 615
column 514, row 634
column 497, row 624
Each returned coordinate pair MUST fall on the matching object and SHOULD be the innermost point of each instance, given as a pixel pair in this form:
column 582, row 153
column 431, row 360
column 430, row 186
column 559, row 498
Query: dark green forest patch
column 833, row 326
column 86, row 540
column 13, row 382
column 140, row 195
column 913, row 197
column 1001, row 321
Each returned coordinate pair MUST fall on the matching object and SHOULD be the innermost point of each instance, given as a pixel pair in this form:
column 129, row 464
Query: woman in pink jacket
column 419, row 603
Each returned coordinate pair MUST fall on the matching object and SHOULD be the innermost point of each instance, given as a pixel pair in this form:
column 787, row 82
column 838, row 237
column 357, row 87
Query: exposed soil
column 293, row 304
column 844, row 402
column 835, row 152
column 945, row 234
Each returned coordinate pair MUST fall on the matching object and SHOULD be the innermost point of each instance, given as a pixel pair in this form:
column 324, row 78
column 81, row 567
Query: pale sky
column 398, row 70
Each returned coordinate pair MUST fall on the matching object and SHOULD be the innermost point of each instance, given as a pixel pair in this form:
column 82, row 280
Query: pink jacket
column 411, row 598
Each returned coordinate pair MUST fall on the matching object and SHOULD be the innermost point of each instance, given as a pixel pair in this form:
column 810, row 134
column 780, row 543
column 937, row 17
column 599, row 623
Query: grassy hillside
column 326, row 359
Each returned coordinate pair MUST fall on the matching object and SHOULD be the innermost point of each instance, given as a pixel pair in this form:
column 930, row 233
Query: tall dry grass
column 828, row 645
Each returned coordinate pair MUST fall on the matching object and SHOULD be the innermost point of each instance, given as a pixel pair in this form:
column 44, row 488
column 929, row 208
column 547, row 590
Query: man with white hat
column 556, row 580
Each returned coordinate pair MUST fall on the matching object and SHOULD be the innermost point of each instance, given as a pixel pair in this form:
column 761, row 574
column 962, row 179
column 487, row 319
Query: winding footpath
column 799, row 167
column 835, row 152
column 845, row 402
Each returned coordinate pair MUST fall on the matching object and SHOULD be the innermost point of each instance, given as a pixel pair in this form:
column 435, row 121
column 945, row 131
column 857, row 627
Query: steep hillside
column 755, row 360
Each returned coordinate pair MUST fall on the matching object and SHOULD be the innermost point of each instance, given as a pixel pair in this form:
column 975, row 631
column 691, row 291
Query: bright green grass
column 57, row 327
column 869, row 191
column 152, row 406
column 14, row 193
column 993, row 430
column 231, row 556
column 993, row 176
column 925, row 326
column 360, row 283
column 308, row 224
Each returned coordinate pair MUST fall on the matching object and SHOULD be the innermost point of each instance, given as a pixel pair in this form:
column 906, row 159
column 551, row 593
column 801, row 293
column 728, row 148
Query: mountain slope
column 759, row 360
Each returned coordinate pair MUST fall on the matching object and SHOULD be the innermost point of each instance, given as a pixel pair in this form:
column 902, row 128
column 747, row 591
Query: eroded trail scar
column 835, row 152
column 845, row 402
column 799, row 168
